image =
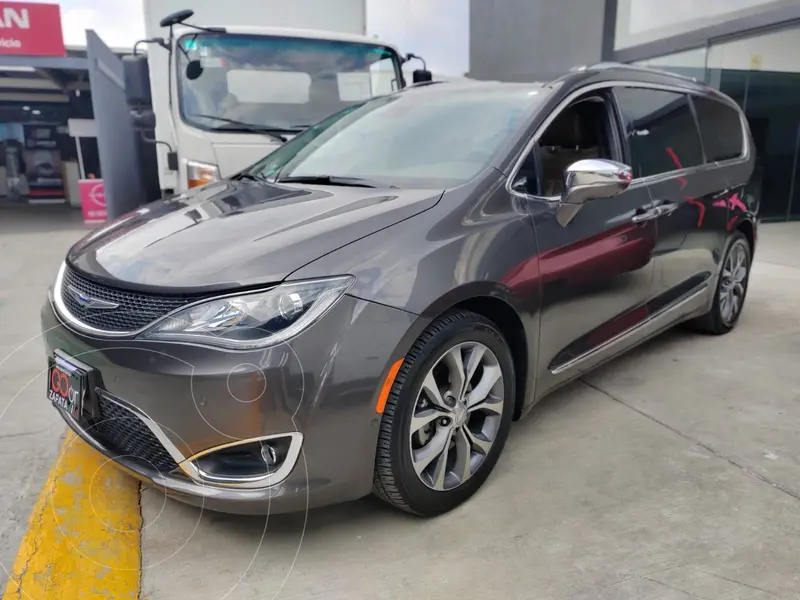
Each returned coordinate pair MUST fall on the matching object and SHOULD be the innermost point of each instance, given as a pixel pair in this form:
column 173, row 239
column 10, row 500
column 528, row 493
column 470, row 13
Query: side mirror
column 591, row 179
column 137, row 80
column 422, row 76
column 193, row 70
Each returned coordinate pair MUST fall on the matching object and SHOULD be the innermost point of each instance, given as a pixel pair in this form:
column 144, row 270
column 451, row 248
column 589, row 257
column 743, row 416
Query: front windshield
column 411, row 139
column 280, row 83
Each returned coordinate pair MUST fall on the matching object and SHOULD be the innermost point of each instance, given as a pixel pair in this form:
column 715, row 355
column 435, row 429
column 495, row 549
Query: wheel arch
column 747, row 228
column 495, row 302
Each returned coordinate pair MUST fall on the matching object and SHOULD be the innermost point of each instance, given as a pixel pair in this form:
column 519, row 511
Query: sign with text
column 31, row 29
column 93, row 201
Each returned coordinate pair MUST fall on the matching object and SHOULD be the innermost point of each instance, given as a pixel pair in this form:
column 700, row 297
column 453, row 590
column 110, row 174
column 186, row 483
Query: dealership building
column 51, row 94
column 748, row 49
column 47, row 138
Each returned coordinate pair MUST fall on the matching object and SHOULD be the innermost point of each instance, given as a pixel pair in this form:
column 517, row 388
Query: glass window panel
column 761, row 73
column 642, row 21
column 661, row 131
column 691, row 63
column 720, row 129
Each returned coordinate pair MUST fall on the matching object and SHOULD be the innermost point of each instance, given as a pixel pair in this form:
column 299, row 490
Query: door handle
column 643, row 215
column 648, row 214
column 665, row 208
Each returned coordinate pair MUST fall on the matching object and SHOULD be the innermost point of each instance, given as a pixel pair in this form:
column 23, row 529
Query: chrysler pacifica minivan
column 367, row 309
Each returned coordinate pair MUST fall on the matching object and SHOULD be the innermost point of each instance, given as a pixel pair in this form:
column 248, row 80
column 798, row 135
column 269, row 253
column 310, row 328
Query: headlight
column 253, row 321
column 198, row 173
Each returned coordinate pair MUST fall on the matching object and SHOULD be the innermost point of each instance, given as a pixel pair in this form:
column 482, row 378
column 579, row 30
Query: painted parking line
column 83, row 537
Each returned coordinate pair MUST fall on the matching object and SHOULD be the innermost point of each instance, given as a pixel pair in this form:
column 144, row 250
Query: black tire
column 395, row 480
column 713, row 322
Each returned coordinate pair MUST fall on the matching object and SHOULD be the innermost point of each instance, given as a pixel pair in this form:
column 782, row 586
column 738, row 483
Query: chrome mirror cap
column 591, row 179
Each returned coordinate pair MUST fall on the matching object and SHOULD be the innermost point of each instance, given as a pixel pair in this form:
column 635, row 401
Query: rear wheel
column 447, row 417
column 731, row 289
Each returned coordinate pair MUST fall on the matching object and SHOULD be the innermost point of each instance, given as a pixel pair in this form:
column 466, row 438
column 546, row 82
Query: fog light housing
column 244, row 462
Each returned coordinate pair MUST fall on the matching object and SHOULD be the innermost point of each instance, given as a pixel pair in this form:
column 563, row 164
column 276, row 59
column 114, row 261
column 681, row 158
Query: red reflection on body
column 701, row 209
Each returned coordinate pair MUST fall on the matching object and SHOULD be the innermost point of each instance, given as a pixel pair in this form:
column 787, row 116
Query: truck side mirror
column 193, row 70
column 137, row 80
column 422, row 76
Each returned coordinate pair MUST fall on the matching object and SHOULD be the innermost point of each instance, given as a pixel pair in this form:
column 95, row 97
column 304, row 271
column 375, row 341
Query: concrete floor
column 33, row 241
column 671, row 473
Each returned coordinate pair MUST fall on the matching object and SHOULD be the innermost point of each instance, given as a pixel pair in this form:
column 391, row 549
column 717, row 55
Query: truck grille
column 134, row 310
column 123, row 433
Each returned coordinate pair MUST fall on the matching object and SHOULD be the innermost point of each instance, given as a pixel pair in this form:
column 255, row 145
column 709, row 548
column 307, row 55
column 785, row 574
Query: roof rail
column 601, row 66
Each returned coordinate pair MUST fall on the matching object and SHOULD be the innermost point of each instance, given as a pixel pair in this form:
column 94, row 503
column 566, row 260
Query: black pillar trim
column 609, row 30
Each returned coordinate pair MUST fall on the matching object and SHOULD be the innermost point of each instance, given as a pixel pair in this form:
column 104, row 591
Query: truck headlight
column 252, row 321
column 198, row 173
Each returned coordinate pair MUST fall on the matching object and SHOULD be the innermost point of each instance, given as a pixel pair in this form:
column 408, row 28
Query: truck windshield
column 413, row 139
column 230, row 82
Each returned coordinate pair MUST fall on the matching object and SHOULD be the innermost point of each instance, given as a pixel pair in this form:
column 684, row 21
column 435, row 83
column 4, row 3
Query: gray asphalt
column 671, row 473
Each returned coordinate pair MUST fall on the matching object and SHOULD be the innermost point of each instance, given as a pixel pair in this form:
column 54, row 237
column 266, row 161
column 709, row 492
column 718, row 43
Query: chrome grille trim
column 75, row 322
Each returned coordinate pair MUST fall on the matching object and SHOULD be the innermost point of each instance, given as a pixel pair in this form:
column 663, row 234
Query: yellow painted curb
column 83, row 537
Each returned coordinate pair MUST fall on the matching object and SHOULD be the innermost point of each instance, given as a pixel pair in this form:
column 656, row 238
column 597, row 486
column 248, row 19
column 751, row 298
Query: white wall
column 642, row 21
column 774, row 51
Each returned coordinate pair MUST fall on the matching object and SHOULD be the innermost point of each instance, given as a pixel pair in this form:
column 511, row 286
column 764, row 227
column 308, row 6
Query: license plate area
column 66, row 386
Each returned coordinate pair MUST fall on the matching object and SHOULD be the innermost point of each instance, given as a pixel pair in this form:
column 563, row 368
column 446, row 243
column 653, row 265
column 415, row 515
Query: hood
column 234, row 234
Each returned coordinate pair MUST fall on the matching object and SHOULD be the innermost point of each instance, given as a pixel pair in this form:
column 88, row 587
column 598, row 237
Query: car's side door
column 595, row 265
column 667, row 154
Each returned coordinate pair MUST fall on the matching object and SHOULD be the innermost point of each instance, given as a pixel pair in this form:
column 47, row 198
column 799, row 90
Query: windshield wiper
column 334, row 180
column 247, row 176
column 273, row 132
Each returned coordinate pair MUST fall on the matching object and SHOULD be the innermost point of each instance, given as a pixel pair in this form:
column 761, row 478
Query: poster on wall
column 42, row 162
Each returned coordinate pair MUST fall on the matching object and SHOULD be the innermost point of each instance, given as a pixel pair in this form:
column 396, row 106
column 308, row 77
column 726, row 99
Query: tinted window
column 661, row 131
column 720, row 128
column 416, row 138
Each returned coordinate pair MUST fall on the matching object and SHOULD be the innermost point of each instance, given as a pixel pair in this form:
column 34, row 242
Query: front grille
column 135, row 310
column 125, row 434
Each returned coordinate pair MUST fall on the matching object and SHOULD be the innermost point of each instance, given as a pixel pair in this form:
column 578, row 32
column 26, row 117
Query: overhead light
column 36, row 112
column 26, row 108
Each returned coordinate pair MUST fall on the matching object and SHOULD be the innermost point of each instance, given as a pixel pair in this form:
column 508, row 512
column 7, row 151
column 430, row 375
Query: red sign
column 31, row 29
column 93, row 201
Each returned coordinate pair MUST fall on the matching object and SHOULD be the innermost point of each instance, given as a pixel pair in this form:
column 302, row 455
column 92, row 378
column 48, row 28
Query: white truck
column 231, row 80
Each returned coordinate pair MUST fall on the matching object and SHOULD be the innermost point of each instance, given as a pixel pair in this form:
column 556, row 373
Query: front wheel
column 447, row 417
column 731, row 289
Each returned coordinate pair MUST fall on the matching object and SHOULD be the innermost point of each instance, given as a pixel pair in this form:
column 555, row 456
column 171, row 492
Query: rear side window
column 720, row 128
column 661, row 131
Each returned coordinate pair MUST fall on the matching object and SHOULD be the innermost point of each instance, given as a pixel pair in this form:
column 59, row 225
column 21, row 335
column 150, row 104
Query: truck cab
column 224, row 97
column 236, row 95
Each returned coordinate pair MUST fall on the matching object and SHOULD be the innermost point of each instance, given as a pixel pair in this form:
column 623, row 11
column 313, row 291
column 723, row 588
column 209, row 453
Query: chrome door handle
column 661, row 210
column 666, row 208
column 647, row 215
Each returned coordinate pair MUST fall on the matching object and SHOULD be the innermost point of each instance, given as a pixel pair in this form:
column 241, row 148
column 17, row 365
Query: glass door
column 762, row 73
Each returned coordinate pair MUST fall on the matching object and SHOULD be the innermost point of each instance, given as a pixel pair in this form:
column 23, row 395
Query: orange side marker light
column 387, row 386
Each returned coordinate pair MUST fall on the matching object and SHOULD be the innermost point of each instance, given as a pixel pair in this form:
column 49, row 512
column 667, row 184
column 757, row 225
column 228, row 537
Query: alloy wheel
column 733, row 283
column 456, row 416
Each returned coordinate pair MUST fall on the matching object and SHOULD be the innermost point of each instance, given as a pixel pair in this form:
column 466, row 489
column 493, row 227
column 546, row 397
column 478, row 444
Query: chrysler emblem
column 89, row 302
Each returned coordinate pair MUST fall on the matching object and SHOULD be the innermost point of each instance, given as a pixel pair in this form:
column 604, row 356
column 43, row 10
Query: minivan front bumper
column 168, row 404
